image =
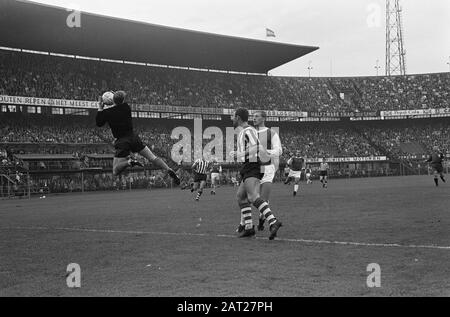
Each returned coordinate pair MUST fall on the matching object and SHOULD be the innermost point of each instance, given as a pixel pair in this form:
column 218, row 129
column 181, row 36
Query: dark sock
column 436, row 180
column 443, row 178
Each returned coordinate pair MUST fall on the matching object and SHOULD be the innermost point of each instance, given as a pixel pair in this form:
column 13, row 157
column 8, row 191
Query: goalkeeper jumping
column 119, row 120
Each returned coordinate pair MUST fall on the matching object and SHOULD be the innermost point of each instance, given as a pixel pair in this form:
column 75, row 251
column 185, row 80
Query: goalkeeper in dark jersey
column 119, row 119
column 436, row 160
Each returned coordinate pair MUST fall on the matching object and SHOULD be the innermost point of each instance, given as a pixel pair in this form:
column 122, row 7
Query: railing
column 11, row 188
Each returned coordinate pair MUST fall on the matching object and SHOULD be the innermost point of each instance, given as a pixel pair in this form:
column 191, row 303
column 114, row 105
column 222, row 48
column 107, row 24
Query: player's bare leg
column 195, row 187
column 252, row 187
column 436, row 179
column 266, row 190
column 323, row 181
column 148, row 154
column 288, row 180
column 296, row 186
column 200, row 190
column 120, row 164
column 213, row 185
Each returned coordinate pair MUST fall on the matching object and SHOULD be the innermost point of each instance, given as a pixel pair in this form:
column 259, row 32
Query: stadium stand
column 33, row 75
column 25, row 134
column 412, row 140
column 45, row 143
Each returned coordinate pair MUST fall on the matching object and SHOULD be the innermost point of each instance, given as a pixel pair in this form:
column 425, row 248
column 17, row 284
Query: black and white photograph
column 224, row 154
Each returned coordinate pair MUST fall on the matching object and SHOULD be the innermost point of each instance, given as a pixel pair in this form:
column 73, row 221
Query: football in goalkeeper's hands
column 108, row 98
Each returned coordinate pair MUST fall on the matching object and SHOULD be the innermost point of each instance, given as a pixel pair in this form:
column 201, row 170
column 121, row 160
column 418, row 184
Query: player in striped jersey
column 250, row 153
column 201, row 169
column 323, row 173
column 271, row 141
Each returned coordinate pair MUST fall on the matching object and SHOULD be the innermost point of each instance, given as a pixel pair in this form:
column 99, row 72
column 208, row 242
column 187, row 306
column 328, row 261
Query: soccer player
column 250, row 152
column 201, row 169
column 127, row 142
column 272, row 143
column 287, row 170
column 216, row 171
column 235, row 181
column 323, row 173
column 308, row 176
column 296, row 164
column 436, row 160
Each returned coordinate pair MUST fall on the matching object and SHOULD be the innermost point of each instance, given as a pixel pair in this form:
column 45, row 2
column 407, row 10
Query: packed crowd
column 411, row 140
column 43, row 135
column 318, row 142
column 400, row 93
column 58, row 77
column 4, row 160
column 61, row 130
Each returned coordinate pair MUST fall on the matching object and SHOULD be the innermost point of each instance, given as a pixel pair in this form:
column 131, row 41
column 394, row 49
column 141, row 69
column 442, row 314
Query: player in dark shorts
column 250, row 152
column 201, row 168
column 127, row 142
column 436, row 159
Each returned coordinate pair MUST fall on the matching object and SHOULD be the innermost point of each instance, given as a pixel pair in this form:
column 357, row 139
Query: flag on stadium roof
column 270, row 33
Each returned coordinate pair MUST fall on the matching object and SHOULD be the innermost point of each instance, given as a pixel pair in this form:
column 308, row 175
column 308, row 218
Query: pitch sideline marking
column 186, row 234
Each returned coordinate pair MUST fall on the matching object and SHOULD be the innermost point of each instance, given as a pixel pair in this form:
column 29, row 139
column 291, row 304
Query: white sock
column 296, row 188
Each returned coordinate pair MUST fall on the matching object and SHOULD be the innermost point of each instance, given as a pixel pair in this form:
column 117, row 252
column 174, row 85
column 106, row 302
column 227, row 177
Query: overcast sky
column 350, row 33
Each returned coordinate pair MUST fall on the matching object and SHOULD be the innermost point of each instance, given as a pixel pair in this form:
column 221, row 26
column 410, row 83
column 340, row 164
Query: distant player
column 323, row 173
column 308, row 173
column 119, row 119
column 216, row 171
column 436, row 159
column 250, row 152
column 234, row 181
column 272, row 143
column 201, row 169
column 296, row 163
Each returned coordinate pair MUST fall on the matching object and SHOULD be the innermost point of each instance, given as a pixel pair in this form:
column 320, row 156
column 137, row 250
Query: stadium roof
column 38, row 27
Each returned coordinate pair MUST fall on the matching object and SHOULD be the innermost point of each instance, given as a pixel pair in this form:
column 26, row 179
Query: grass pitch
column 162, row 243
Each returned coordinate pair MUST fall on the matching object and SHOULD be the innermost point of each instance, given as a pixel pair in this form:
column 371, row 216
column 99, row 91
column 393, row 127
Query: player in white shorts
column 216, row 170
column 308, row 176
column 271, row 141
column 295, row 174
